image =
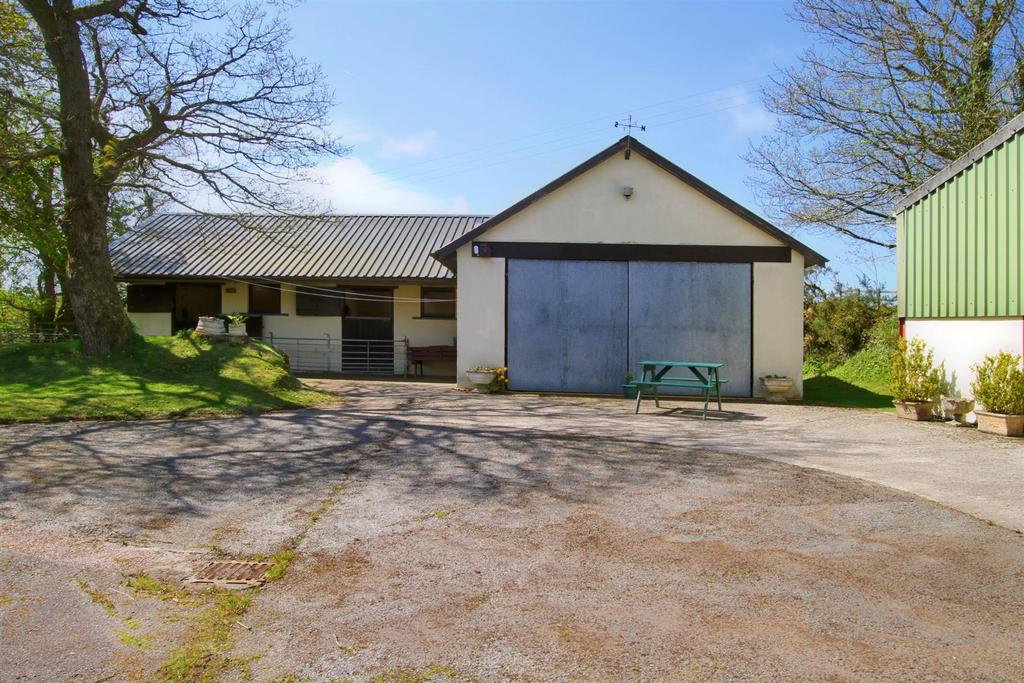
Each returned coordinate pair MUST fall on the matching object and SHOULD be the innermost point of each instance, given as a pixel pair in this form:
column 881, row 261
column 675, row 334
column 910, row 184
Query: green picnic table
column 705, row 377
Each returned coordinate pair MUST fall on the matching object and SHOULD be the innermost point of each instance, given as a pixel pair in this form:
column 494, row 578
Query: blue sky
column 468, row 107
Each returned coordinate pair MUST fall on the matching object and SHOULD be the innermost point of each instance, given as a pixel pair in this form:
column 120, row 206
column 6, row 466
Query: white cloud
column 350, row 186
column 408, row 146
column 748, row 116
column 351, row 131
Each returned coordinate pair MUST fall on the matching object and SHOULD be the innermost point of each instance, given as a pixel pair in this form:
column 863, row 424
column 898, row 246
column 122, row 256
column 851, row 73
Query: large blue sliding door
column 580, row 325
column 692, row 311
column 567, row 325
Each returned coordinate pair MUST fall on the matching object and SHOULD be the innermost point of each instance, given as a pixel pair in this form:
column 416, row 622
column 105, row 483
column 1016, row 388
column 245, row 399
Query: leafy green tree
column 166, row 98
column 33, row 249
column 31, row 246
column 839, row 322
column 892, row 92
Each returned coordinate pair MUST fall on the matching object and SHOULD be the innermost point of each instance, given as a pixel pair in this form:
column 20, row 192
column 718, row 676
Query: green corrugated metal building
column 960, row 250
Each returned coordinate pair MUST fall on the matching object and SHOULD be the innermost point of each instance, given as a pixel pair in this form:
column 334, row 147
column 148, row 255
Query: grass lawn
column 153, row 377
column 860, row 382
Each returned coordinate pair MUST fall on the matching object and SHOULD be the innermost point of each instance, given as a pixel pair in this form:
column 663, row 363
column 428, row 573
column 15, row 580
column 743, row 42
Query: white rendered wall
column 960, row 343
column 424, row 331
column 662, row 210
column 779, row 322
column 236, row 301
column 151, row 324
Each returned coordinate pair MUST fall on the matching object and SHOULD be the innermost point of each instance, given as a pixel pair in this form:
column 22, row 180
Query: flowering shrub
column 500, row 382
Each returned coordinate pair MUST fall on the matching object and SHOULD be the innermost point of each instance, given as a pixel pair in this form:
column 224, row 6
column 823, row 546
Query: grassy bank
column 153, row 377
column 861, row 381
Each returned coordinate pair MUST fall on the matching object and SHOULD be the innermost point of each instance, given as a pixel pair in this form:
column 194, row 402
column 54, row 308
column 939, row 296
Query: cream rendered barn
column 619, row 260
column 626, row 258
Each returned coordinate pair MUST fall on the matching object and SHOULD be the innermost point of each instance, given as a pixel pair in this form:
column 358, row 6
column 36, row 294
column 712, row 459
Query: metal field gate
column 580, row 325
column 336, row 355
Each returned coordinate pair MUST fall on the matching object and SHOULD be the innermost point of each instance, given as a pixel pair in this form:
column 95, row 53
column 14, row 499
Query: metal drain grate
column 232, row 574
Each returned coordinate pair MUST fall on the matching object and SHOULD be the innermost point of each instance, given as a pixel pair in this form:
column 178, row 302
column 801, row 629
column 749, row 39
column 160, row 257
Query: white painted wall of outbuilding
column 662, row 210
column 959, row 343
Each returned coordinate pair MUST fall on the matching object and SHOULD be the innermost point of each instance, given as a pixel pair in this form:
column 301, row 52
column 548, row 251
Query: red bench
column 421, row 354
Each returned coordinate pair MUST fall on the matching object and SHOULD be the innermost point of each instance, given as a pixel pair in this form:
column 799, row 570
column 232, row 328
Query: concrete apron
column 975, row 473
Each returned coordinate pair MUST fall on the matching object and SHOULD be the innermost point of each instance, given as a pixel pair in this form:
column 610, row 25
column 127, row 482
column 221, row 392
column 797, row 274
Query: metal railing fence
column 338, row 355
column 8, row 336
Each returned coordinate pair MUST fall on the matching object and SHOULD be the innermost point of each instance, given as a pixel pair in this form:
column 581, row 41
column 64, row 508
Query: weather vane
column 629, row 125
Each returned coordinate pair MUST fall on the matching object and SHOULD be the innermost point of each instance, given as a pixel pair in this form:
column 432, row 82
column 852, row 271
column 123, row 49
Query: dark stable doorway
column 192, row 301
column 368, row 330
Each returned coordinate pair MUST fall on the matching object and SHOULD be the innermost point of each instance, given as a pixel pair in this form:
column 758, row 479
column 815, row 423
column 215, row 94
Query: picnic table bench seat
column 654, row 376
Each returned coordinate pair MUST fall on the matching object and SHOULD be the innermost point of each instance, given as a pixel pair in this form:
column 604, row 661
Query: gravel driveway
column 448, row 536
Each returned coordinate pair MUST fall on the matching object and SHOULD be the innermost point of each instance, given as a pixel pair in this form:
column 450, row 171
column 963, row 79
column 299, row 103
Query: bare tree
column 894, row 91
column 170, row 99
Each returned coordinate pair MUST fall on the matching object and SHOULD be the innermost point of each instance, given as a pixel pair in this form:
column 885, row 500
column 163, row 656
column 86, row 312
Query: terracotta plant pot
column 915, row 410
column 778, row 388
column 997, row 423
column 483, row 381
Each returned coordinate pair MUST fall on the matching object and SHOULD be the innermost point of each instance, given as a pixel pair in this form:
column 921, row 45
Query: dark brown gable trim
column 811, row 257
column 575, row 251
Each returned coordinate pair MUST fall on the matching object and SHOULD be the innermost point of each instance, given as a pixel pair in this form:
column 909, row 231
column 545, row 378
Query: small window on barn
column 264, row 299
column 150, row 298
column 368, row 303
column 437, row 302
column 317, row 301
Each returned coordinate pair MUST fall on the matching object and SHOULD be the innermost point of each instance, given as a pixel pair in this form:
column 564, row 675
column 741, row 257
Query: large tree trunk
column 47, row 291
column 100, row 317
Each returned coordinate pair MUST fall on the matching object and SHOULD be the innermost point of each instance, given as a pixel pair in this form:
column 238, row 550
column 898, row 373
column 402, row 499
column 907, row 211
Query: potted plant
column 482, row 378
column 956, row 408
column 236, row 324
column 629, row 388
column 999, row 387
column 501, row 380
column 779, row 387
column 210, row 325
column 916, row 382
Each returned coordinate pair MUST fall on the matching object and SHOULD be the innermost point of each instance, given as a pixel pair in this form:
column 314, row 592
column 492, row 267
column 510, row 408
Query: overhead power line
column 330, row 293
column 437, row 174
column 604, row 130
column 597, row 119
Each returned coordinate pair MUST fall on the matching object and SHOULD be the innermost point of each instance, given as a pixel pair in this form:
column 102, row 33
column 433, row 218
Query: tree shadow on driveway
column 122, row 476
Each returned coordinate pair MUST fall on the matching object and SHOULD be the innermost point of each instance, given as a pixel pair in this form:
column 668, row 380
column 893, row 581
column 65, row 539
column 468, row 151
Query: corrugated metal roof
column 973, row 155
column 321, row 246
column 960, row 248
